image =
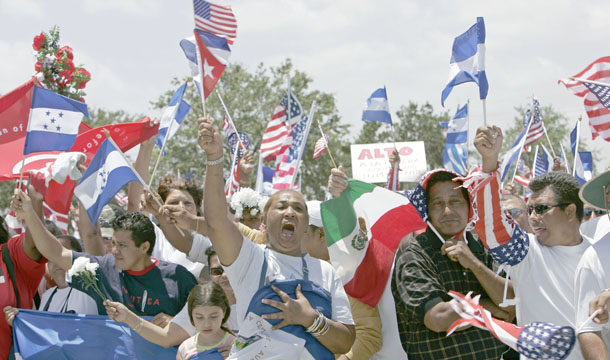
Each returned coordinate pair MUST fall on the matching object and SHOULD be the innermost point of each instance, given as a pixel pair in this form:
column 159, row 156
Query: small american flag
column 227, row 129
column 286, row 168
column 215, row 19
column 232, row 183
column 537, row 128
column 393, row 175
column 278, row 135
column 320, row 146
column 417, row 197
column 121, row 199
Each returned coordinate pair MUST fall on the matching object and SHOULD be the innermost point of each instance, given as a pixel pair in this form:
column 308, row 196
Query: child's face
column 207, row 319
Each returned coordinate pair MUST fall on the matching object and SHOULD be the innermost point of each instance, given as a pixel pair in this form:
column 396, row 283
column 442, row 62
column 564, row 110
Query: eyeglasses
column 217, row 271
column 513, row 213
column 542, row 209
column 597, row 212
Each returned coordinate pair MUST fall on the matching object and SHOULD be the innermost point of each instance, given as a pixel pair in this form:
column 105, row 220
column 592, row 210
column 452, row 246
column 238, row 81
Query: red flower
column 38, row 41
column 70, row 64
column 65, row 77
column 85, row 74
column 67, row 50
column 37, row 66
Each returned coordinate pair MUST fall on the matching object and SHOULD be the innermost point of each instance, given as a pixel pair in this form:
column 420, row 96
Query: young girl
column 208, row 309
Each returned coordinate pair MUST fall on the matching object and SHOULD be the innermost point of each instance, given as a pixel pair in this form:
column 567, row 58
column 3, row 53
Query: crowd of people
column 185, row 267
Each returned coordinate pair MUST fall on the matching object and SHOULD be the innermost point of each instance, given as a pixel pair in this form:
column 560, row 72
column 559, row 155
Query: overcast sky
column 350, row 48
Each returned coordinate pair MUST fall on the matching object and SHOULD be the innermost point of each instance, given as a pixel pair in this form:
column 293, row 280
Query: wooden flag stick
column 152, row 176
column 21, row 172
column 146, row 187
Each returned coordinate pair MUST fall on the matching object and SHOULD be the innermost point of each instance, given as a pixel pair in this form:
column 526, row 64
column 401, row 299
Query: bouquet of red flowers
column 55, row 67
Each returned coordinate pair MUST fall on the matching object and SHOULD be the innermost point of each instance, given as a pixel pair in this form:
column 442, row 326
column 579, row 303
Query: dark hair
column 565, row 187
column 53, row 229
column 210, row 252
column 170, row 182
column 74, row 244
column 140, row 226
column 506, row 197
column 277, row 194
column 4, row 235
column 444, row 176
column 209, row 294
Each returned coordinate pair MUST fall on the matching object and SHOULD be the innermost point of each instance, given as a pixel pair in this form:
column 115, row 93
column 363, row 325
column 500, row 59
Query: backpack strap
column 6, row 257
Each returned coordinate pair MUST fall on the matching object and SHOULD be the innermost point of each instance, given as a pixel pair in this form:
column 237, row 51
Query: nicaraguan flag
column 214, row 54
column 107, row 173
column 54, row 121
column 190, row 51
column 513, row 153
column 468, row 60
column 455, row 154
column 376, row 108
column 172, row 117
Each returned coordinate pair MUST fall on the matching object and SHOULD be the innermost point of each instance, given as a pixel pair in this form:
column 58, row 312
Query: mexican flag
column 363, row 229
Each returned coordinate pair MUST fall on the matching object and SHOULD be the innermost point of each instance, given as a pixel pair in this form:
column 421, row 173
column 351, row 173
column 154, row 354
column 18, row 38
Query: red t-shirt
column 28, row 274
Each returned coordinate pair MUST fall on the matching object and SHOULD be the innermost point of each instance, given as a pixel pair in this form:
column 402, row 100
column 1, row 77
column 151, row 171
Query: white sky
column 350, row 48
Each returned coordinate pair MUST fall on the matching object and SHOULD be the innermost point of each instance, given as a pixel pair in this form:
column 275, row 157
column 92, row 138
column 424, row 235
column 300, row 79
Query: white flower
column 247, row 198
column 79, row 265
column 92, row 267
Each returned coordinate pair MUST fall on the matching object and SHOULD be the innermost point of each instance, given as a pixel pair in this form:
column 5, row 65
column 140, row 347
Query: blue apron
column 212, row 354
column 319, row 298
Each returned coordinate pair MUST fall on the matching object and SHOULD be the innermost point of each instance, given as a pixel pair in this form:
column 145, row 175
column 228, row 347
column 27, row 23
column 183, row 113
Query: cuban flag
column 468, row 60
column 190, row 51
column 543, row 162
column 107, row 173
column 513, row 153
column 172, row 117
column 537, row 340
column 455, row 154
column 54, row 121
column 376, row 108
column 214, row 55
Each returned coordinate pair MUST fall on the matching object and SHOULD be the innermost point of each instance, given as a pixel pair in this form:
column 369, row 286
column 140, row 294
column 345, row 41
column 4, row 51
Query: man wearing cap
column 593, row 277
column 596, row 192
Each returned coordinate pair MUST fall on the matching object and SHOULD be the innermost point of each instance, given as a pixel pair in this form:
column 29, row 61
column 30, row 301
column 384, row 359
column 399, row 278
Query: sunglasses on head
column 513, row 213
column 542, row 209
column 217, row 271
column 597, row 212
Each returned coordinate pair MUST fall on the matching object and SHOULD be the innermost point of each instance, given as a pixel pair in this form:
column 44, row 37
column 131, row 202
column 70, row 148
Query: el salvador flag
column 376, row 108
column 190, row 51
column 172, row 117
column 513, row 153
column 107, row 173
column 54, row 121
column 468, row 60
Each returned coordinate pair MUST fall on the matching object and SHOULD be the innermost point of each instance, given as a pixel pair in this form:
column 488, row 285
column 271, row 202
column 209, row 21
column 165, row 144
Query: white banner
column 371, row 162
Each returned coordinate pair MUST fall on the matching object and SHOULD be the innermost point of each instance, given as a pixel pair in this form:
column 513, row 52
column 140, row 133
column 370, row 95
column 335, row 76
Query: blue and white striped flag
column 513, row 153
column 468, row 60
column 455, row 154
column 376, row 108
column 543, row 162
column 579, row 170
column 191, row 52
column 172, row 117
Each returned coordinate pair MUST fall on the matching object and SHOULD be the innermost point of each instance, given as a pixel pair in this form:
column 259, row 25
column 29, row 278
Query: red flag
column 320, row 147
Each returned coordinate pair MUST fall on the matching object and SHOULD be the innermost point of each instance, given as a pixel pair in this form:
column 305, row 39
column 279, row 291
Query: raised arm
column 93, row 243
column 134, row 189
column 224, row 235
column 29, row 247
column 45, row 242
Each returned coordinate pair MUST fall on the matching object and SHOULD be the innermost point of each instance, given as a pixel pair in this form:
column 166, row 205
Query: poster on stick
column 371, row 162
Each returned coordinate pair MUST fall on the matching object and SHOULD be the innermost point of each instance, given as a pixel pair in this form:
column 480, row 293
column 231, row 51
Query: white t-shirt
column 165, row 251
column 592, row 276
column 183, row 320
column 544, row 284
column 245, row 272
column 79, row 302
column 596, row 228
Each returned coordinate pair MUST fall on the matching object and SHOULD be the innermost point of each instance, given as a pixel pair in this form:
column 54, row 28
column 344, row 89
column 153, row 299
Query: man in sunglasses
column 542, row 264
column 592, row 284
column 515, row 208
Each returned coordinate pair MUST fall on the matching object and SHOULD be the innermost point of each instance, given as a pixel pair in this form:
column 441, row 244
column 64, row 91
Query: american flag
column 537, row 128
column 121, row 199
column 393, row 182
column 600, row 90
column 286, row 168
column 417, row 197
column 599, row 115
column 320, row 146
column 227, row 129
column 215, row 19
column 537, row 340
column 232, row 183
column 543, row 162
column 278, row 135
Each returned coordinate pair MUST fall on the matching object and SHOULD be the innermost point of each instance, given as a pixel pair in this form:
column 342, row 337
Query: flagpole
column 577, row 144
column 547, row 139
column 327, row 145
column 529, row 123
column 589, row 81
column 535, row 159
column 146, row 186
column 152, row 176
column 484, row 112
column 312, row 113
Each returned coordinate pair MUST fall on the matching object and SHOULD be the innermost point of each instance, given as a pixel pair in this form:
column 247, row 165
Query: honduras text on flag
column 376, row 108
column 54, row 121
column 172, row 117
column 468, row 60
column 107, row 173
column 214, row 55
column 190, row 51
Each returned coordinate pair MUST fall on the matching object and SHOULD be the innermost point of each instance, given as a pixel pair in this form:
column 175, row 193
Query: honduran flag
column 107, row 173
column 214, row 54
column 363, row 229
column 376, row 108
column 172, row 117
column 54, row 121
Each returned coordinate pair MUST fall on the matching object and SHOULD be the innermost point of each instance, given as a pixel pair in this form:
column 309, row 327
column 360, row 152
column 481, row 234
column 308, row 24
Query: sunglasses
column 542, row 209
column 597, row 212
column 217, row 271
column 513, row 213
